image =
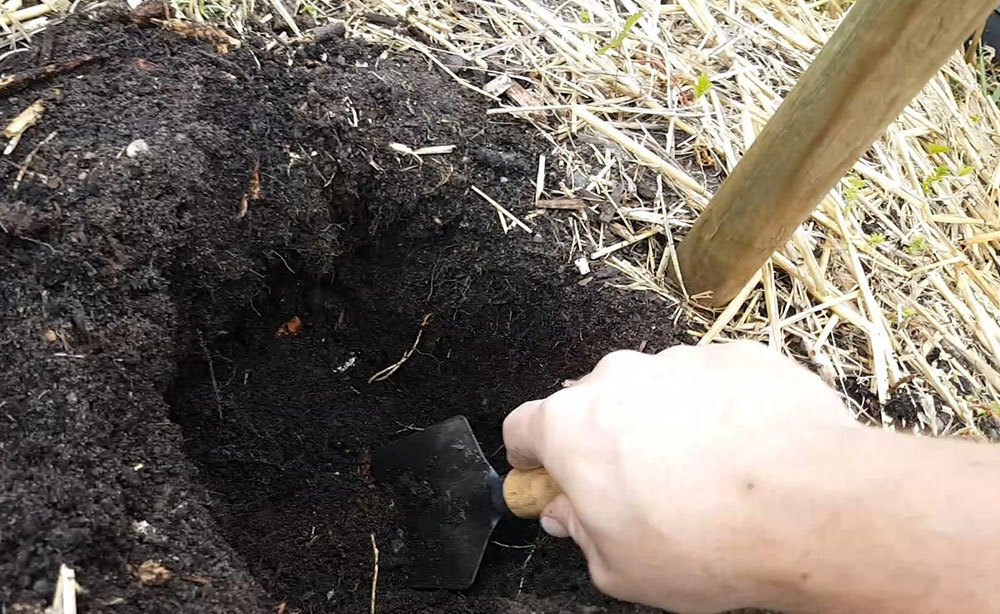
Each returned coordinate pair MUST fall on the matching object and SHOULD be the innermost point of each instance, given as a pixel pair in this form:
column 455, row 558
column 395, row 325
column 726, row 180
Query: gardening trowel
column 451, row 498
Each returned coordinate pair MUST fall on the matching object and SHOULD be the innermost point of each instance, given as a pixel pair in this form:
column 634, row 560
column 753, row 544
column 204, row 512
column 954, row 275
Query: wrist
column 865, row 520
column 797, row 513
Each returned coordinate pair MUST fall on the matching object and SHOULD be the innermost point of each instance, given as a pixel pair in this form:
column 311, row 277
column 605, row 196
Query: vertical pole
column 882, row 55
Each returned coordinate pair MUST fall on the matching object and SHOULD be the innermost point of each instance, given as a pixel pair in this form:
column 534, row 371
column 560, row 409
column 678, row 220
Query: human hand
column 667, row 464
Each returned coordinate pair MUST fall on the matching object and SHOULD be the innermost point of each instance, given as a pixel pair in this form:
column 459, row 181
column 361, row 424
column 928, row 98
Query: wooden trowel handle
column 527, row 493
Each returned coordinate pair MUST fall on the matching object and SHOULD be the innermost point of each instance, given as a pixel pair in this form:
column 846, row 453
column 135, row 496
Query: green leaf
column 935, row 148
column 617, row 40
column 909, row 312
column 917, row 245
column 966, row 170
column 702, row 85
column 585, row 16
column 939, row 173
column 876, row 239
column 995, row 408
column 853, row 190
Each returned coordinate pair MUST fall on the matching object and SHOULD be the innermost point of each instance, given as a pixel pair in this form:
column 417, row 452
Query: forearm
column 870, row 521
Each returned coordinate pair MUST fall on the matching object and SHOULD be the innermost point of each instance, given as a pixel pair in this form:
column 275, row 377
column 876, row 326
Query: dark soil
column 149, row 407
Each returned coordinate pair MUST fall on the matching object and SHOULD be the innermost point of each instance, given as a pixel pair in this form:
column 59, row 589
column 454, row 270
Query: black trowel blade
column 441, row 482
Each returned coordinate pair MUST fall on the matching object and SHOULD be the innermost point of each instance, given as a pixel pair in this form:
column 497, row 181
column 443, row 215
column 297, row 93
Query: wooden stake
column 875, row 63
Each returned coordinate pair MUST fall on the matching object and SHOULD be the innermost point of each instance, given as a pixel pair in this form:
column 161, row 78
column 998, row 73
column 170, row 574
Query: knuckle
column 675, row 349
column 619, row 359
column 560, row 405
column 564, row 399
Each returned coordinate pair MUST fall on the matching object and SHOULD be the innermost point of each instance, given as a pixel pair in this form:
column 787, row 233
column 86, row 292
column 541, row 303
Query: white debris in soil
column 583, row 265
column 64, row 600
column 137, row 148
column 347, row 365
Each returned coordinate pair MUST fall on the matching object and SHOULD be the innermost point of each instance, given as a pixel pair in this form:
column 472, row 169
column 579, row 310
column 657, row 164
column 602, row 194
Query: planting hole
column 280, row 417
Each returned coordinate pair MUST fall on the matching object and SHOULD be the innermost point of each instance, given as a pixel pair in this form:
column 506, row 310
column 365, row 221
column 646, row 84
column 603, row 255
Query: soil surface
column 186, row 379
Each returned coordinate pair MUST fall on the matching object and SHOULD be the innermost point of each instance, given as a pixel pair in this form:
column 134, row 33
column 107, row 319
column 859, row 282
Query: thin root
column 387, row 372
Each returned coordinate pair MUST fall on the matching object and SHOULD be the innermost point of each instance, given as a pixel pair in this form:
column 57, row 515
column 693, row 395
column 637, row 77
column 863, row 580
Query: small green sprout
column 939, row 173
column 909, row 312
column 918, row 245
column 935, row 148
column 853, row 189
column 702, row 85
column 995, row 409
column 620, row 37
column 966, row 170
column 585, row 16
column 876, row 239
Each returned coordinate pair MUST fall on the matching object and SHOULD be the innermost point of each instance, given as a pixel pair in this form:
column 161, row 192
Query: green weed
column 620, row 37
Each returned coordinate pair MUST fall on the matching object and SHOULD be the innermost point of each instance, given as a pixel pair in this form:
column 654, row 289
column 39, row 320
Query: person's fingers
column 681, row 353
column 522, row 436
column 553, row 527
column 559, row 519
column 556, row 517
column 616, row 362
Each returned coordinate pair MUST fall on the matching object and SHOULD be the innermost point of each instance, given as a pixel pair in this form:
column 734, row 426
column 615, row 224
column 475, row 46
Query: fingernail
column 553, row 527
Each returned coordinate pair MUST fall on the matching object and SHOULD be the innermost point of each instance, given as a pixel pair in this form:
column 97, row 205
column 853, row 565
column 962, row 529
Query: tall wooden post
column 882, row 55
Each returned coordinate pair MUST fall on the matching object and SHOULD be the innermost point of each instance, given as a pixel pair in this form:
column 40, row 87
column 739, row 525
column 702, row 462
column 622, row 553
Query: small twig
column 515, row 547
column 374, row 574
column 29, row 158
column 387, row 372
column 524, row 567
column 37, row 242
column 407, row 427
column 502, row 210
column 540, row 178
column 577, row 204
column 283, row 261
column 20, row 124
column 282, row 11
column 974, row 44
column 211, row 373
column 252, row 192
column 64, row 600
column 623, row 244
column 10, row 82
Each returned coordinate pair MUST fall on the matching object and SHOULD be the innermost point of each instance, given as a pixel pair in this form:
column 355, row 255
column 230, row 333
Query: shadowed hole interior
column 281, row 419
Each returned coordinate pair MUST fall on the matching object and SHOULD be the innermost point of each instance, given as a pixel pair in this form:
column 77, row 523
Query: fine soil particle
column 161, row 407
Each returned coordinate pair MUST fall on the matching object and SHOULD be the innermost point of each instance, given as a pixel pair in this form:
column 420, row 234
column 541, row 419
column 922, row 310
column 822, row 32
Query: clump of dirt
column 204, row 261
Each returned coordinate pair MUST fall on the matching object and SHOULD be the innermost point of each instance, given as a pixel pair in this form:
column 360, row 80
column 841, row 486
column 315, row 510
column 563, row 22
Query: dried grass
column 894, row 282
column 20, row 21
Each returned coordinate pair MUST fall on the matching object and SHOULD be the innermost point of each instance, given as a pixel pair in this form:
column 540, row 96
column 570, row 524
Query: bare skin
column 708, row 479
